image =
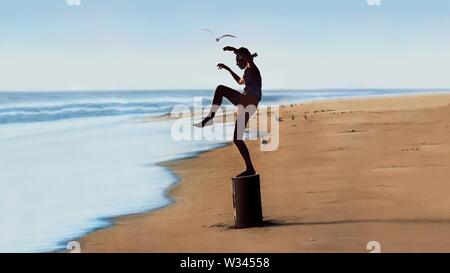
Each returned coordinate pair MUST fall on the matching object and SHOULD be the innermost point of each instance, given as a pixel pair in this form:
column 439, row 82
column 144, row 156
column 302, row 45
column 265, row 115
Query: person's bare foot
column 247, row 172
column 204, row 123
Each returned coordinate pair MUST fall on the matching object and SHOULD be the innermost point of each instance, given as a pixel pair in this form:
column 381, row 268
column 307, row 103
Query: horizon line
column 206, row 89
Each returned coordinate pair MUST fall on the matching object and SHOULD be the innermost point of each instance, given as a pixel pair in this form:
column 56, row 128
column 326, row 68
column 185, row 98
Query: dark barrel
column 247, row 201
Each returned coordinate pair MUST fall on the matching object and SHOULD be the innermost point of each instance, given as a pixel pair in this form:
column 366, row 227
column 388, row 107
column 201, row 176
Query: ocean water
column 72, row 161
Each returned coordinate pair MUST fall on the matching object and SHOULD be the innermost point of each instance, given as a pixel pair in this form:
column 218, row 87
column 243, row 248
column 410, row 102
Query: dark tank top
column 253, row 84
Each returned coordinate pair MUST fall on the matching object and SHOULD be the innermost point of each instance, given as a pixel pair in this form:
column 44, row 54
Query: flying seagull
column 218, row 39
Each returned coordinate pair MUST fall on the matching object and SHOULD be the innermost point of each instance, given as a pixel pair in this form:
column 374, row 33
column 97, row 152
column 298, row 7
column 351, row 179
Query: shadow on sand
column 272, row 223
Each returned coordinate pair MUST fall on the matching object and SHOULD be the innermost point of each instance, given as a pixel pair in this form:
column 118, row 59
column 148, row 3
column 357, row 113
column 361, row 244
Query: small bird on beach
column 218, row 38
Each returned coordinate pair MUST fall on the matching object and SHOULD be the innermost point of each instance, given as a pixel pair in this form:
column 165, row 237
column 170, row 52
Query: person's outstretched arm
column 236, row 77
column 229, row 48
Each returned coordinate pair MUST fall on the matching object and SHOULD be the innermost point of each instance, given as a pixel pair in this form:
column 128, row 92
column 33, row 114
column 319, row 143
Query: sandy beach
column 347, row 172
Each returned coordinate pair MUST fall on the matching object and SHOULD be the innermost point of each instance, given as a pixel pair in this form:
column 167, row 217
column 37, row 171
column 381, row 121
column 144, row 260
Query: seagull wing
column 212, row 33
column 227, row 35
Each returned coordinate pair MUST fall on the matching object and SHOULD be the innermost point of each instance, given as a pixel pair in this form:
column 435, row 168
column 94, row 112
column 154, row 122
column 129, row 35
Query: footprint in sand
column 410, row 149
column 349, row 131
column 340, row 113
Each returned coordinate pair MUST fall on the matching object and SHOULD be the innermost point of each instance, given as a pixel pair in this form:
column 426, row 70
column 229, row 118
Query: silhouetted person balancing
column 247, row 101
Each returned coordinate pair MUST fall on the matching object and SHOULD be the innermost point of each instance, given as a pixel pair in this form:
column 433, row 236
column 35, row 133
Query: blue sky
column 145, row 44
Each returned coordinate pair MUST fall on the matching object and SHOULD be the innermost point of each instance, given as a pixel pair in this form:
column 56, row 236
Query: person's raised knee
column 220, row 88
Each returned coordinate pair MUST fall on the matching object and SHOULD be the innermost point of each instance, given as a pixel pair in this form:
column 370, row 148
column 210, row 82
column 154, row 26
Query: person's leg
column 238, row 139
column 221, row 91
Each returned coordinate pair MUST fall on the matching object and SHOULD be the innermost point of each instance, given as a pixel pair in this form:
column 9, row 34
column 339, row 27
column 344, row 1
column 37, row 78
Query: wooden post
column 247, row 201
